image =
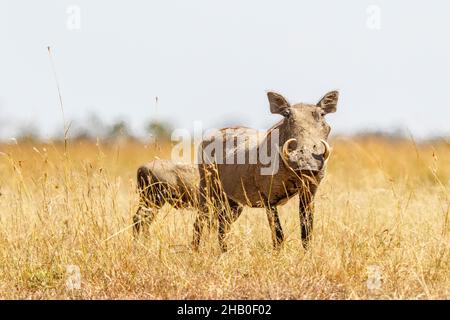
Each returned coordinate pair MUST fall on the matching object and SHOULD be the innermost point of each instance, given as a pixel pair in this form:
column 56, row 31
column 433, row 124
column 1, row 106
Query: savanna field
column 381, row 229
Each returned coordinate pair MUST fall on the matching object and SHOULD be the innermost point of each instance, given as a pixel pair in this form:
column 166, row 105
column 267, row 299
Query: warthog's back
column 174, row 173
column 166, row 181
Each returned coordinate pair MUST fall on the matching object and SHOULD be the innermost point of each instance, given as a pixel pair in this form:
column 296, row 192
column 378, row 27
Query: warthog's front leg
column 275, row 226
column 306, row 211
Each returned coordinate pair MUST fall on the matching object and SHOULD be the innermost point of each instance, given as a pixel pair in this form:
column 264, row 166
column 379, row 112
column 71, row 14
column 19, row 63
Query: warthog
column 161, row 182
column 303, row 151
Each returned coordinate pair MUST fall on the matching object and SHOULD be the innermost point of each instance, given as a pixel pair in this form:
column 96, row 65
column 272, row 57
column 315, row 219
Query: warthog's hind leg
column 199, row 224
column 226, row 218
column 142, row 220
column 275, row 226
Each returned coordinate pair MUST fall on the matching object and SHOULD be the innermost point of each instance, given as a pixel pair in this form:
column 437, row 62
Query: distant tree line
column 94, row 128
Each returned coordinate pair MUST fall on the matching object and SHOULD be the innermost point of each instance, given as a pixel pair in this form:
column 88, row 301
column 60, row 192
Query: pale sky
column 213, row 61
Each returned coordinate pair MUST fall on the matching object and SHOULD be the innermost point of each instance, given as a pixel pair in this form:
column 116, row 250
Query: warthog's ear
column 278, row 103
column 329, row 101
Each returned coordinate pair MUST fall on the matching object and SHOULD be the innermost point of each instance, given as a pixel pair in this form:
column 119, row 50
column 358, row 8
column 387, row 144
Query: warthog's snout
column 305, row 159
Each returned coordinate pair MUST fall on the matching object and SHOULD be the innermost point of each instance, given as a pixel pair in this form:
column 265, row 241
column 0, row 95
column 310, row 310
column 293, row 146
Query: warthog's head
column 303, row 132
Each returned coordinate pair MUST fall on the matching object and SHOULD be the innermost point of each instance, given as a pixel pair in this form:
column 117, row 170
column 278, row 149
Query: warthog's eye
column 286, row 113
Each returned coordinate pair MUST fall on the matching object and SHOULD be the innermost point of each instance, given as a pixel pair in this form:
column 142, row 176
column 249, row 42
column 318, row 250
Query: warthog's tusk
column 327, row 152
column 285, row 152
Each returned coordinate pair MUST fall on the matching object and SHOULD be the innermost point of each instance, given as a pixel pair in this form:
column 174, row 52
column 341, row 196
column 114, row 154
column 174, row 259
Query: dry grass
column 383, row 204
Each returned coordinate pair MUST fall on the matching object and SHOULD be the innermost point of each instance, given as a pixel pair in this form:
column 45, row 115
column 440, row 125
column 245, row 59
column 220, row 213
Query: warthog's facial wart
column 304, row 131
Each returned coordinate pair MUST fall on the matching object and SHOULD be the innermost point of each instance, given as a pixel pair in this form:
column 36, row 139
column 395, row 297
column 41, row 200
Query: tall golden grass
column 383, row 208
